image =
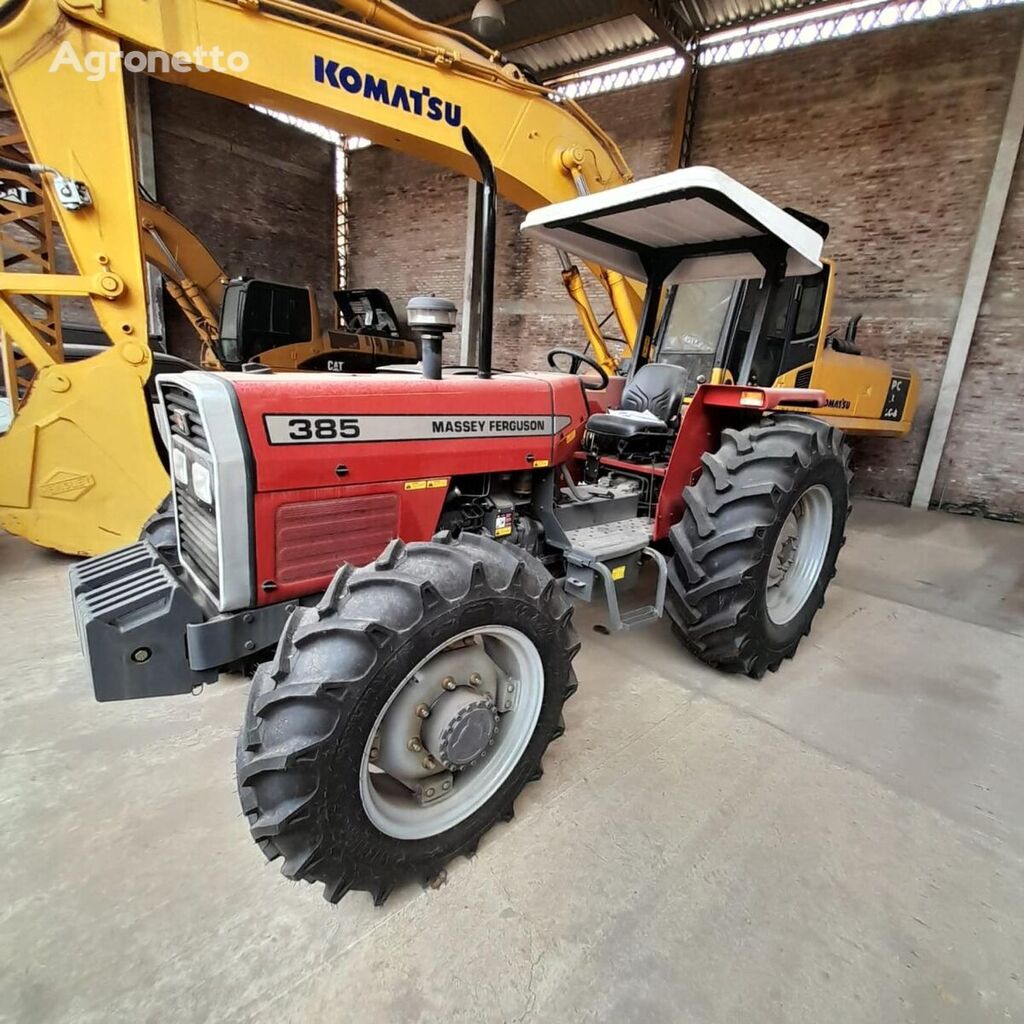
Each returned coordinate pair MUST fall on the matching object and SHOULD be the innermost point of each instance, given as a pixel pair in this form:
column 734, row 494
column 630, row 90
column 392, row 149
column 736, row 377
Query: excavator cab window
column 260, row 315
column 789, row 336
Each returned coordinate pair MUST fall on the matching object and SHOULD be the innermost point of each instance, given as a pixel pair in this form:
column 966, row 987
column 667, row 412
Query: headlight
column 179, row 466
column 201, row 483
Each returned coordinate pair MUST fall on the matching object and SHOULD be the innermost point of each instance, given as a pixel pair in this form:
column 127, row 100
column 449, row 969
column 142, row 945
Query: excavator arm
column 81, row 473
column 192, row 277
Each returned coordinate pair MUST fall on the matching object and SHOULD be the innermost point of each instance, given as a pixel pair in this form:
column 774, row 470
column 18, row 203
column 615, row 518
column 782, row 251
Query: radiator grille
column 313, row 538
column 197, row 535
column 197, row 524
column 803, row 378
column 183, row 414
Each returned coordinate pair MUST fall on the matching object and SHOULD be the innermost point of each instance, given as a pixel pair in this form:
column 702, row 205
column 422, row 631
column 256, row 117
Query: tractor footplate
column 612, row 553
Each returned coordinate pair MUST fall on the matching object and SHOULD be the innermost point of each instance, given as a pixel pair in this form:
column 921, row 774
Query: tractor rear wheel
column 758, row 542
column 402, row 716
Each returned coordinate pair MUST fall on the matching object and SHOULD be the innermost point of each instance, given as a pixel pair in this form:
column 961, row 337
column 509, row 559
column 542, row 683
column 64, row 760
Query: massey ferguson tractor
column 400, row 552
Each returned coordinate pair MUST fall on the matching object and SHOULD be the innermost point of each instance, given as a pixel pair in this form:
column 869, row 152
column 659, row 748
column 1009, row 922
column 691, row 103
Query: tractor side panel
column 303, row 535
column 345, row 464
column 699, row 432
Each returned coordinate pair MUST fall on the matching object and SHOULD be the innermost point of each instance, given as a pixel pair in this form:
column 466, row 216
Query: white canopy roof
column 694, row 206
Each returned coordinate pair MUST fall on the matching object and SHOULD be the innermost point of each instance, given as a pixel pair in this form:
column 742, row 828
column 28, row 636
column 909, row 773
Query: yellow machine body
column 866, row 396
column 80, row 472
column 86, row 422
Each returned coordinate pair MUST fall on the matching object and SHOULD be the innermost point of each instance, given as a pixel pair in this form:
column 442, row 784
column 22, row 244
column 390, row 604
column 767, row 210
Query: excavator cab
column 259, row 316
column 278, row 326
column 706, row 328
column 736, row 312
column 368, row 311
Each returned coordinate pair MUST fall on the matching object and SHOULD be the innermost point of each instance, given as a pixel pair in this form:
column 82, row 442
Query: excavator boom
column 81, row 472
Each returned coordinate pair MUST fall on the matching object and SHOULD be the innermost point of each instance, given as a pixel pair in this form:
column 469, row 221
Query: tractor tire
column 161, row 531
column 318, row 713
column 757, row 544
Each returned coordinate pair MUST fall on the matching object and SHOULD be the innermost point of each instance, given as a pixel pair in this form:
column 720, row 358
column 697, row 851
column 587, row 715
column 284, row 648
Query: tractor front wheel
column 758, row 542
column 402, row 715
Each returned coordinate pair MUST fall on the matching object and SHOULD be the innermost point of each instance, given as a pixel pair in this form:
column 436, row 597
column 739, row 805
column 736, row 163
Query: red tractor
column 402, row 549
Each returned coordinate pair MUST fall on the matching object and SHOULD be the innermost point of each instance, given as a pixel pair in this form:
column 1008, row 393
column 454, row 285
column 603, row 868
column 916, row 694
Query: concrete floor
column 840, row 842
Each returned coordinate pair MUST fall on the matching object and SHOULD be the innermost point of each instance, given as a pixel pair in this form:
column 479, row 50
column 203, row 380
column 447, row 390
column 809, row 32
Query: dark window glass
column 274, row 315
column 808, row 315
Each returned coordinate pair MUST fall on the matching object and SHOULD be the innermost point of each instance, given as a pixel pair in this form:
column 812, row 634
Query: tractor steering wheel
column 576, row 359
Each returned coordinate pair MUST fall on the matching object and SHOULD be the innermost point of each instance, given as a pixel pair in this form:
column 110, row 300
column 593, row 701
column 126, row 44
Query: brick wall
column 259, row 193
column 983, row 463
column 889, row 136
column 408, row 232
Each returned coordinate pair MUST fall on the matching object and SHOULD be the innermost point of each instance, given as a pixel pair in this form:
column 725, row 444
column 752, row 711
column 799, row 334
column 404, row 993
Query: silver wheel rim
column 799, row 555
column 389, row 803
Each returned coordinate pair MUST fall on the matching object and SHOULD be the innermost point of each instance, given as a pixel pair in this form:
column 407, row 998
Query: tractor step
column 612, row 553
column 612, row 540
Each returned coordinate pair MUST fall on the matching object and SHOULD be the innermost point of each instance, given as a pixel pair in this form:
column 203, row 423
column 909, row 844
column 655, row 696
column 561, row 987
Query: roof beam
column 546, row 75
column 556, row 33
column 662, row 18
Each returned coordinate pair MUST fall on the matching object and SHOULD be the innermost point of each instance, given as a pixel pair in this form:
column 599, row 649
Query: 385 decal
column 321, row 428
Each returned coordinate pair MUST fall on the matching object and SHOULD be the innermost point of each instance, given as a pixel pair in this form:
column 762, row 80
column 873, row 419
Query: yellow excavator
column 80, row 470
column 243, row 321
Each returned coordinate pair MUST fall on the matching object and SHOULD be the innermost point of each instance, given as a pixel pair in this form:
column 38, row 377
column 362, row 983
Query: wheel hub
column 433, row 770
column 799, row 554
column 462, row 727
column 785, row 550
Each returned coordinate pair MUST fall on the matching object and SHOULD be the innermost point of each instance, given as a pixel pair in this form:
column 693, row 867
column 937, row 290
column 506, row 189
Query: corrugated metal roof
column 703, row 16
column 552, row 36
column 598, row 42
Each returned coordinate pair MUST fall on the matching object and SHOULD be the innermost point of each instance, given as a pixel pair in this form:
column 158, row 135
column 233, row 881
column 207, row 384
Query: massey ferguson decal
column 284, row 428
column 413, row 101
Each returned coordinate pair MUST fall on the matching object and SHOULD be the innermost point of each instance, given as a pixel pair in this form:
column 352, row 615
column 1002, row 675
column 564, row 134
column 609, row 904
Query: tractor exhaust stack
column 488, row 242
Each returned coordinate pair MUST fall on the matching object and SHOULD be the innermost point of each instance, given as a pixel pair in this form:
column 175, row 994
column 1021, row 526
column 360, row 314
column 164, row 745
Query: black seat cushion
column 657, row 388
column 607, row 424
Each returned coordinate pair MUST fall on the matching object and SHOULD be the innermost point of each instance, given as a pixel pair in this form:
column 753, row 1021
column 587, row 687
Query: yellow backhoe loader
column 80, row 471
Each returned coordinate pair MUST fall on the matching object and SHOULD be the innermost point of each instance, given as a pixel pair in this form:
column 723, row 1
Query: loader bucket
column 80, row 472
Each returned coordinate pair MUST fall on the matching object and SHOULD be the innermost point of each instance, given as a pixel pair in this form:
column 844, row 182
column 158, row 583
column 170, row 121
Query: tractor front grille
column 183, row 414
column 197, row 537
column 197, row 521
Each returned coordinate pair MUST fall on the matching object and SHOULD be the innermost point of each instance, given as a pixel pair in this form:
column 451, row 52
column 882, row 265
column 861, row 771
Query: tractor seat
column 649, row 411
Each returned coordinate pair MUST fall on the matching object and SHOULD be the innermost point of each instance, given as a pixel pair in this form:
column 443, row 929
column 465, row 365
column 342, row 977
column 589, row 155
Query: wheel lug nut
column 430, row 792
column 449, row 683
column 446, row 785
column 374, row 753
column 414, row 745
column 422, row 711
column 429, row 763
column 475, row 679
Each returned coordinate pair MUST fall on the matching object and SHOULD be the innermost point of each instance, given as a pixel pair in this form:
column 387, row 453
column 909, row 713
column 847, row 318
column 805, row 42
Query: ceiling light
column 487, row 21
